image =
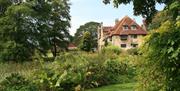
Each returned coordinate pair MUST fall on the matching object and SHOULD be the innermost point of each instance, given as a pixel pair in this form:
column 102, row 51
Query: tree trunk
column 54, row 48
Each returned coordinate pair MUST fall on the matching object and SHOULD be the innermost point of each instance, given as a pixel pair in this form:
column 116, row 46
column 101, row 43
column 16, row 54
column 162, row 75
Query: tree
column 146, row 8
column 4, row 4
column 59, row 20
column 15, row 27
column 32, row 25
column 86, row 44
column 91, row 27
column 159, row 68
column 160, row 65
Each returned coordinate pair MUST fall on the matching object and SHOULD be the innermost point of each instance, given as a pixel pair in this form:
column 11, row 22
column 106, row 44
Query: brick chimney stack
column 144, row 25
column 116, row 21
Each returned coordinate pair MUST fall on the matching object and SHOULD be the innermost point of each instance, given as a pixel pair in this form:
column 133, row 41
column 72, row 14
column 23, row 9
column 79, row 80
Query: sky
column 83, row 11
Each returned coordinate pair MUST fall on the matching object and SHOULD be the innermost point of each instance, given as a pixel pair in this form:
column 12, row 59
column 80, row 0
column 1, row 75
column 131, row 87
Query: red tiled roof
column 71, row 45
column 107, row 30
column 118, row 28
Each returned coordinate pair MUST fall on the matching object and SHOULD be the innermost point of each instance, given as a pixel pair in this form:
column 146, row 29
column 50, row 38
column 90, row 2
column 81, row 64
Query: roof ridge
column 118, row 26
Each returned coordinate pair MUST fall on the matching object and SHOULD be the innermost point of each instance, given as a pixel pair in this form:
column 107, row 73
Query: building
column 126, row 34
column 72, row 46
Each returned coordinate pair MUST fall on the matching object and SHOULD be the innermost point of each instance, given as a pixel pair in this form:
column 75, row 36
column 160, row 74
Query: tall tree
column 53, row 21
column 91, row 27
column 146, row 8
column 57, row 23
column 15, row 27
column 34, row 25
column 86, row 44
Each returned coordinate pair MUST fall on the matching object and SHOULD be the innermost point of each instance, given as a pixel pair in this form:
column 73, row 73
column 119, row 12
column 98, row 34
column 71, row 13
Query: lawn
column 116, row 87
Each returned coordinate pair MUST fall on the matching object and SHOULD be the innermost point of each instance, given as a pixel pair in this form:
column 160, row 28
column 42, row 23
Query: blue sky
column 83, row 11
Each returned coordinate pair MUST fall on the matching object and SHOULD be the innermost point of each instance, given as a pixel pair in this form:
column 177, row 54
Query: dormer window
column 125, row 27
column 133, row 27
column 124, row 37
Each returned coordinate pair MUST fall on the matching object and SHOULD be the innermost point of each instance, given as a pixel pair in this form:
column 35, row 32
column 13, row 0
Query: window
column 134, row 36
column 123, row 45
column 134, row 45
column 125, row 27
column 110, row 38
column 124, row 37
column 133, row 27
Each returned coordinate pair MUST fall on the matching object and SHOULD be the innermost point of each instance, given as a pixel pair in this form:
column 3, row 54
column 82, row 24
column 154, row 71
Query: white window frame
column 133, row 27
column 125, row 27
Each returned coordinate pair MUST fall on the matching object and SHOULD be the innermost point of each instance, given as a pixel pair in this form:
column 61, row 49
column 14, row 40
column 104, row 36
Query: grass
column 116, row 87
column 26, row 69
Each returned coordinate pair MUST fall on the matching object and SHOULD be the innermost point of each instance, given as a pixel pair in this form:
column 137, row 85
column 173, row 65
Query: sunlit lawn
column 117, row 87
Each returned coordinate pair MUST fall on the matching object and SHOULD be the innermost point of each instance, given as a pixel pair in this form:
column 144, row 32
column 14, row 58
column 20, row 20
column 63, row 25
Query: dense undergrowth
column 72, row 71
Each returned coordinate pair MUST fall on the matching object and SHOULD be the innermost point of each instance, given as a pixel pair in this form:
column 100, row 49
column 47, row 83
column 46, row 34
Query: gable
column 118, row 29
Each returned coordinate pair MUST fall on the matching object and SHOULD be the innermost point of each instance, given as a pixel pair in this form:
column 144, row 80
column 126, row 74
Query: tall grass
column 26, row 69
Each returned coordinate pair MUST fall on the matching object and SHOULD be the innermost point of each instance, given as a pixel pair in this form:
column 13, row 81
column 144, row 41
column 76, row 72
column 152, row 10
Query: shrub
column 17, row 53
column 114, row 71
column 16, row 82
column 133, row 51
column 63, row 75
column 44, row 79
column 159, row 69
column 111, row 49
column 70, row 71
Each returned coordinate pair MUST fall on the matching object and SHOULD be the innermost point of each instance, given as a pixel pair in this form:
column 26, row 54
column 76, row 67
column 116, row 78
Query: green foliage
column 15, row 82
column 86, row 44
column 45, row 80
column 88, row 27
column 25, row 69
column 71, row 71
column 33, row 25
column 4, row 4
column 170, row 13
column 111, row 49
column 115, row 72
column 13, row 23
column 133, row 51
column 65, row 74
column 145, row 8
column 159, row 68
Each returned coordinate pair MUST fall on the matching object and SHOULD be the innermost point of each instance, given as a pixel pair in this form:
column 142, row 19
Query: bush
column 133, row 51
column 17, row 53
column 15, row 82
column 64, row 74
column 111, row 49
column 115, row 71
column 159, row 69
column 70, row 71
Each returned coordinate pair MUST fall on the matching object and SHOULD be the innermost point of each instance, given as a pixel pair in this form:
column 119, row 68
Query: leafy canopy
column 159, row 69
column 86, row 43
column 32, row 25
column 91, row 27
column 146, row 8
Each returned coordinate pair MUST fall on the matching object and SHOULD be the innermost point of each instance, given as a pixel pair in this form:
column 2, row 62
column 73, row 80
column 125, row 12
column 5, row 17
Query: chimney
column 116, row 21
column 144, row 25
column 134, row 19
